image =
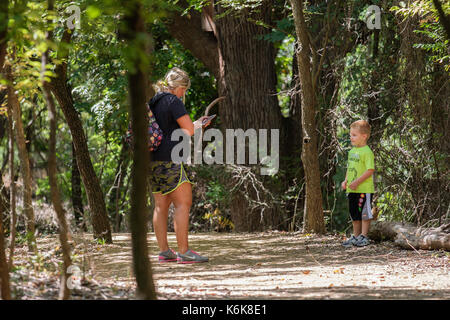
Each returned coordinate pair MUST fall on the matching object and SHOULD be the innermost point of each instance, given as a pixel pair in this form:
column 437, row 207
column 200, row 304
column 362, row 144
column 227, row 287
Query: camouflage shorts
column 166, row 176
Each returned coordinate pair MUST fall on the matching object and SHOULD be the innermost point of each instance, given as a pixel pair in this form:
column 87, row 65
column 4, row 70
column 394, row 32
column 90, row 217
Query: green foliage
column 170, row 53
column 437, row 44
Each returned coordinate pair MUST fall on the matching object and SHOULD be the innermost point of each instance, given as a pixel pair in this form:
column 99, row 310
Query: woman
column 171, row 182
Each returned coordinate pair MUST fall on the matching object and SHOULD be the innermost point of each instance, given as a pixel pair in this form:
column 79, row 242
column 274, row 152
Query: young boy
column 359, row 183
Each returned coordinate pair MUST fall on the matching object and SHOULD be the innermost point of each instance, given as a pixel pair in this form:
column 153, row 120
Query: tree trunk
column 116, row 190
column 444, row 19
column 410, row 237
column 77, row 198
column 134, row 33
column 13, row 101
column 99, row 217
column 12, row 190
column 4, row 268
column 64, row 291
column 248, row 81
column 187, row 30
column 313, row 213
column 3, row 31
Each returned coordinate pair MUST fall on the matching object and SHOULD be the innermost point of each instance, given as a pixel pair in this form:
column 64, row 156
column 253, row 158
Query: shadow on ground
column 279, row 265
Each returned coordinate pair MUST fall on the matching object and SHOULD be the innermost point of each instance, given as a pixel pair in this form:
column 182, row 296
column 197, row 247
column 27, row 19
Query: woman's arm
column 188, row 126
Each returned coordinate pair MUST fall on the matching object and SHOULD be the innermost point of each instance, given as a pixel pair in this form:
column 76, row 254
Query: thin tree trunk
column 313, row 220
column 4, row 268
column 3, row 31
column 99, row 217
column 13, row 101
column 116, row 190
column 12, row 190
column 12, row 187
column 64, row 291
column 134, row 30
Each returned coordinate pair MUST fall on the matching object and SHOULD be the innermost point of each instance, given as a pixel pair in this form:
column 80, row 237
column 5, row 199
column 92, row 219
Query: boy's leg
column 357, row 228
column 365, row 227
column 367, row 215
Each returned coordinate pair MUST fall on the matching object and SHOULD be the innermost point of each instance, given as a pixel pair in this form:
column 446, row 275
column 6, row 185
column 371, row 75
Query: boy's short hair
column 363, row 127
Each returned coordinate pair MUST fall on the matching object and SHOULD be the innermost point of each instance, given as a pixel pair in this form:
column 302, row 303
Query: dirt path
column 279, row 265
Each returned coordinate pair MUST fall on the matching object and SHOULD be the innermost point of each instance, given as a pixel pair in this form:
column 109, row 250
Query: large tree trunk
column 248, row 81
column 77, row 198
column 408, row 236
column 188, row 31
column 64, row 291
column 134, row 29
column 99, row 217
column 14, row 104
column 313, row 220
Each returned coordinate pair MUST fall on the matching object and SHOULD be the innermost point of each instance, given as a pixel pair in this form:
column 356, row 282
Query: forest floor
column 269, row 265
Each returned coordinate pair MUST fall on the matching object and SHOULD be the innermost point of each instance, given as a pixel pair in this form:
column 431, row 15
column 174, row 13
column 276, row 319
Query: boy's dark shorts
column 360, row 206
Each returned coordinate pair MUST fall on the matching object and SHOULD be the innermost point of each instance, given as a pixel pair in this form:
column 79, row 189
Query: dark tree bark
column 188, row 31
column 313, row 213
column 248, row 83
column 4, row 268
column 58, row 85
column 116, row 190
column 12, row 190
column 64, row 291
column 3, row 31
column 134, row 32
column 77, row 198
column 14, row 104
column 443, row 18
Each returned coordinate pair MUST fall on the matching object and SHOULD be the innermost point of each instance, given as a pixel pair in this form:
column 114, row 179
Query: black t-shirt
column 166, row 108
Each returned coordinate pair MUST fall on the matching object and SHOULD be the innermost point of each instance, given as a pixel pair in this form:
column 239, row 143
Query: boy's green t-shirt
column 359, row 161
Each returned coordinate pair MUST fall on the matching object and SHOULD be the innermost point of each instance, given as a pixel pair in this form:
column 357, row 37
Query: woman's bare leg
column 181, row 198
column 160, row 215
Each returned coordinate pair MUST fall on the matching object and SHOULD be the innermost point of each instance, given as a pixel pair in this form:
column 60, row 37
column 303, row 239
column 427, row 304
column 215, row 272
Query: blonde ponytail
column 173, row 79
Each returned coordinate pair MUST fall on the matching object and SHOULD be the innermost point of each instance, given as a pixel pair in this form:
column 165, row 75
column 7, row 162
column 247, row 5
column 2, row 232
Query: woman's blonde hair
column 173, row 79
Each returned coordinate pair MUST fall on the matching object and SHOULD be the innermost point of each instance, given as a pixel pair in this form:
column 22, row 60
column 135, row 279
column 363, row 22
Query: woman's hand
column 344, row 185
column 199, row 123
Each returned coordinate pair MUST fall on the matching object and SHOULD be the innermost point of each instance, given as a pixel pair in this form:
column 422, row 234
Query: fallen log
column 408, row 236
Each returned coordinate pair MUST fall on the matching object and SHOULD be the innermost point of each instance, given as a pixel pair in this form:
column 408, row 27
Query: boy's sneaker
column 190, row 257
column 362, row 241
column 350, row 241
column 167, row 256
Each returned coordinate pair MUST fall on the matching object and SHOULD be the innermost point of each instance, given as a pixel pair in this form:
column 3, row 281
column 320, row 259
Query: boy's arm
column 344, row 183
column 361, row 179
